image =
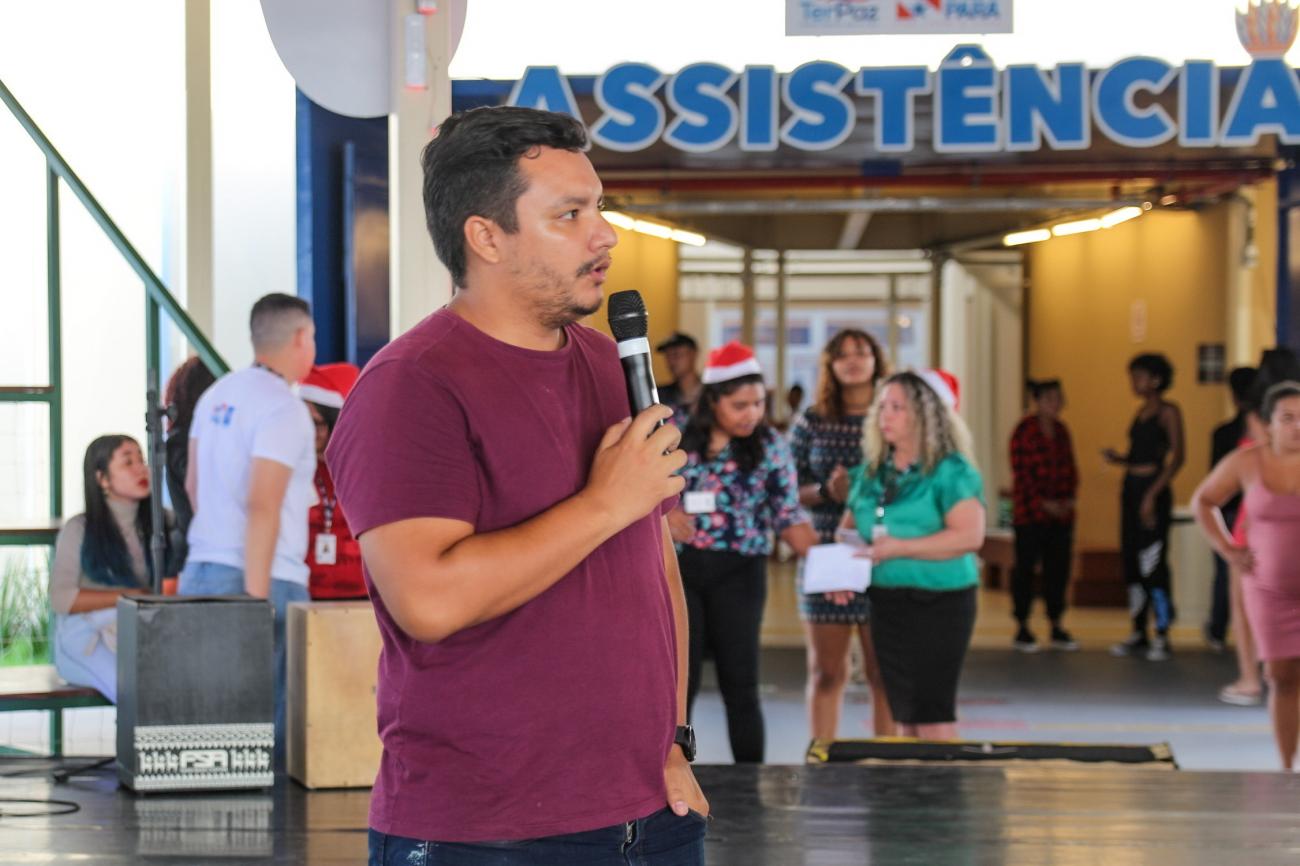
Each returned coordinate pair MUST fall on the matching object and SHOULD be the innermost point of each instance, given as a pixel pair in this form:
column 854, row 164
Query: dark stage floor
column 788, row 815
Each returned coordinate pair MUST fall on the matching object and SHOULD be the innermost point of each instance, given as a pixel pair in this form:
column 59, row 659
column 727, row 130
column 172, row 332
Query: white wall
column 981, row 335
column 254, row 187
column 107, row 92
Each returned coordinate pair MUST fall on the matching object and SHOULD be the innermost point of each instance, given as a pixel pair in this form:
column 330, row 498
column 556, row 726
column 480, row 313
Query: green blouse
column 918, row 507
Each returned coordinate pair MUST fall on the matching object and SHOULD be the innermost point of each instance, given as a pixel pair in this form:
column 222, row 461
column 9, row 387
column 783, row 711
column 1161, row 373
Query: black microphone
column 628, row 324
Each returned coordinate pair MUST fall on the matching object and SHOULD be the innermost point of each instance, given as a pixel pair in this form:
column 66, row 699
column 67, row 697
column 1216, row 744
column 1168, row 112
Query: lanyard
column 259, row 365
column 327, row 501
column 889, row 484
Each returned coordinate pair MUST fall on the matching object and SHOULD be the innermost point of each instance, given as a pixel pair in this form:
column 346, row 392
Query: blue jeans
column 662, row 839
column 211, row 578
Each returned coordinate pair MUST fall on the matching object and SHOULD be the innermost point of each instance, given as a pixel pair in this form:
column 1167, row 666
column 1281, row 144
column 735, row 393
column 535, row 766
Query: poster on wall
column 857, row 17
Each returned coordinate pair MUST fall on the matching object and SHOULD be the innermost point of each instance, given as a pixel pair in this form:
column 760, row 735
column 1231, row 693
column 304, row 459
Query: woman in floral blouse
column 740, row 489
column 827, row 442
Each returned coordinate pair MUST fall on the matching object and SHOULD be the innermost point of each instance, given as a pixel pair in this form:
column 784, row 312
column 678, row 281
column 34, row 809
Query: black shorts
column 921, row 637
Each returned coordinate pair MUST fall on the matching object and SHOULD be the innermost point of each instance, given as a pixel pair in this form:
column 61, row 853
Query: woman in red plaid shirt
column 1045, row 480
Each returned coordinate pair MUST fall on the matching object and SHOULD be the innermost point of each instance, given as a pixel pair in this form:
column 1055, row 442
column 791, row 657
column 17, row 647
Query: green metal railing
column 158, row 300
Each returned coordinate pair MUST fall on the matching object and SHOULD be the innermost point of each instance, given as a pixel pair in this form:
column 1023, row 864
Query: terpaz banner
column 857, row 17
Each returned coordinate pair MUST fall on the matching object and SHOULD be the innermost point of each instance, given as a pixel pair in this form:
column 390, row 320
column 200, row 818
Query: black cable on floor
column 53, row 807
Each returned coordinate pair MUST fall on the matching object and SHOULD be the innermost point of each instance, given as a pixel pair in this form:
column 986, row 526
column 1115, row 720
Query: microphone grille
column 627, row 316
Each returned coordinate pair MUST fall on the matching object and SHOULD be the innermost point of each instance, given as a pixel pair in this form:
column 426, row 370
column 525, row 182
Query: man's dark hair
column 1240, row 381
column 1039, row 387
column 471, row 168
column 1156, row 365
column 275, row 318
column 1278, row 364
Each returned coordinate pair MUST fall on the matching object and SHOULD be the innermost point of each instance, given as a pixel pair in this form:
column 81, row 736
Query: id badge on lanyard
column 327, row 548
column 327, row 543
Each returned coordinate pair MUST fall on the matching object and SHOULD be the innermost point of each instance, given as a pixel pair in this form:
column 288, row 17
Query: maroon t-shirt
column 558, row 716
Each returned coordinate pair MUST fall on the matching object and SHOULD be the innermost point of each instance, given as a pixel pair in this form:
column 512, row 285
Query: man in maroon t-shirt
column 511, row 518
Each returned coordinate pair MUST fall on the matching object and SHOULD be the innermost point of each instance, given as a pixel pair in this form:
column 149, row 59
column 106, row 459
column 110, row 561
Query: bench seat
column 39, row 687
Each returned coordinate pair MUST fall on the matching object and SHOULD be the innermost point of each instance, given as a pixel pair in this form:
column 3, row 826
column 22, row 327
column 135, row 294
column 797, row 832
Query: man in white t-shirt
column 251, row 470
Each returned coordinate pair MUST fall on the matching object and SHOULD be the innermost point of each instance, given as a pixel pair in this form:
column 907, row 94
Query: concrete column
column 197, row 209
column 747, row 299
column 782, row 307
column 419, row 283
column 937, row 261
column 1239, row 260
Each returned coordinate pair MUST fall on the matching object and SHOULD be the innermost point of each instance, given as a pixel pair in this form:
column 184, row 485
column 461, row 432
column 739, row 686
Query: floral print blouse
column 751, row 506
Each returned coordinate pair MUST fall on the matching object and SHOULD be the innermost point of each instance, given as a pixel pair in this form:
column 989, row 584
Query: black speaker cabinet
column 195, row 706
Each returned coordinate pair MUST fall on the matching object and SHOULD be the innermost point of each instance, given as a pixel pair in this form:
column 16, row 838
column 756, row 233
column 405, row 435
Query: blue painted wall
column 323, row 265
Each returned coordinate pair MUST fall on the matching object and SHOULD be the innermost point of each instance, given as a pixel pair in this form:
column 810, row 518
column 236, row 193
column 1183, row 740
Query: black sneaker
column 1025, row 641
column 1063, row 640
column 1133, row 644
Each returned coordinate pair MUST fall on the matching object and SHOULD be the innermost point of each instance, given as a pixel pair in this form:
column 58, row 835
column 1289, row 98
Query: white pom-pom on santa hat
column 944, row 385
column 328, row 384
column 730, row 362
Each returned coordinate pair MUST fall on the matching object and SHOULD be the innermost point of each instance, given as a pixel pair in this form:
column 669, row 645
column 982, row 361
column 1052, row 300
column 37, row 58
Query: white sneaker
column 1159, row 650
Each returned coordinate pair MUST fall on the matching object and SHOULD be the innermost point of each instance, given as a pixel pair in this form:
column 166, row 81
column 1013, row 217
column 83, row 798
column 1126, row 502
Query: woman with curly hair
column 1155, row 454
column 918, row 504
column 826, row 442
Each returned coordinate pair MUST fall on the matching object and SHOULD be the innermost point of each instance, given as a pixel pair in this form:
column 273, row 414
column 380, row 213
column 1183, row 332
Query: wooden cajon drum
column 333, row 662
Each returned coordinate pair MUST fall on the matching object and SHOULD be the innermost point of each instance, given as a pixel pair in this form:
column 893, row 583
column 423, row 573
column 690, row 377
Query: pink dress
column 1272, row 590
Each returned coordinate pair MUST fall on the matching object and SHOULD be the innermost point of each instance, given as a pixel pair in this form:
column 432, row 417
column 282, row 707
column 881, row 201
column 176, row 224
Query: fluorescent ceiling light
column 1076, row 228
column 619, row 220
column 645, row 227
column 655, row 230
column 1033, row 236
column 1122, row 215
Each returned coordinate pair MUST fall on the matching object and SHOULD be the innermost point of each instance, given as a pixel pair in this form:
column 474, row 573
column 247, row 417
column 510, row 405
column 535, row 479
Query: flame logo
column 1267, row 28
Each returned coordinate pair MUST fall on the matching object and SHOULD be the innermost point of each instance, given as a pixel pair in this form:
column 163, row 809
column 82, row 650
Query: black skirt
column 921, row 637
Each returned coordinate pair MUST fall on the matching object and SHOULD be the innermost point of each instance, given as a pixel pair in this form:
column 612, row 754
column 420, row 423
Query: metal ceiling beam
column 920, row 204
column 855, row 226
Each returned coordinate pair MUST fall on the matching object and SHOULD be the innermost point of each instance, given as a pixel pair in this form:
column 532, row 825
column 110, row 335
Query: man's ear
column 482, row 239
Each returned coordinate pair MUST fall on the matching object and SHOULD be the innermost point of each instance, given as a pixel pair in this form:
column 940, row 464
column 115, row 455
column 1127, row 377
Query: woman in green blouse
column 918, row 505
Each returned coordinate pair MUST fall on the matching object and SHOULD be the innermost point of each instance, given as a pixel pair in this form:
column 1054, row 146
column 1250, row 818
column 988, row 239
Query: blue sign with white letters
column 977, row 108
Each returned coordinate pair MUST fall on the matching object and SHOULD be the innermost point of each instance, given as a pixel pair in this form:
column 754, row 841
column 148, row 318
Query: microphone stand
column 153, row 422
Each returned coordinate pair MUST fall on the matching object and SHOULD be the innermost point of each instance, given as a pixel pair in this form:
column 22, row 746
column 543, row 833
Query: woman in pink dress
column 1268, row 475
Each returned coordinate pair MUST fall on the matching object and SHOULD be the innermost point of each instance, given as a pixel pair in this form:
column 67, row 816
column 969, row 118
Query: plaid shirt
column 1041, row 468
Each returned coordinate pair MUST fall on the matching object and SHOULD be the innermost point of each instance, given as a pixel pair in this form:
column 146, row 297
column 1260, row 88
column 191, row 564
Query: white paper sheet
column 833, row 567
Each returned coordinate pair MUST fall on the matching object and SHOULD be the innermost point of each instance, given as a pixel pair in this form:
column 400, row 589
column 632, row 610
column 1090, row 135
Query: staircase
column 158, row 301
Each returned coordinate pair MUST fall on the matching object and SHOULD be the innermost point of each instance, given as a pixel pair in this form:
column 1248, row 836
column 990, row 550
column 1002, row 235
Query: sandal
column 1239, row 697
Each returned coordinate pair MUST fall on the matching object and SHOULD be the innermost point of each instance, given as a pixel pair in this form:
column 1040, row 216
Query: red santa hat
column 328, row 384
column 730, row 362
column 944, row 384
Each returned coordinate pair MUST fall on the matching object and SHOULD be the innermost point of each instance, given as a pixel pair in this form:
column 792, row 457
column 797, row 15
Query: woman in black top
column 1155, row 455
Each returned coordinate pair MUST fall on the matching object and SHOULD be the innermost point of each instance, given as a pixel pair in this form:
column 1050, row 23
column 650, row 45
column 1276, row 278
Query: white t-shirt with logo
column 247, row 414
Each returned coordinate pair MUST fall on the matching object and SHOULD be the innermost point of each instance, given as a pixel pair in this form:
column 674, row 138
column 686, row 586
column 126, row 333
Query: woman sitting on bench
column 100, row 555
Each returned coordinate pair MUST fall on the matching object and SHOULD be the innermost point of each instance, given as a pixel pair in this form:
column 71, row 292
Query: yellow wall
column 1082, row 291
column 1263, row 285
column 649, row 265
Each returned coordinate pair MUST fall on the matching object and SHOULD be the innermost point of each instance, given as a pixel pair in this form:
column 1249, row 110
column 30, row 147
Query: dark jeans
column 1049, row 544
column 662, row 839
column 725, row 594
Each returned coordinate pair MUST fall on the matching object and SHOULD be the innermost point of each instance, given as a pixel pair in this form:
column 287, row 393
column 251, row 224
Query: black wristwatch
column 685, row 737
column 825, row 493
